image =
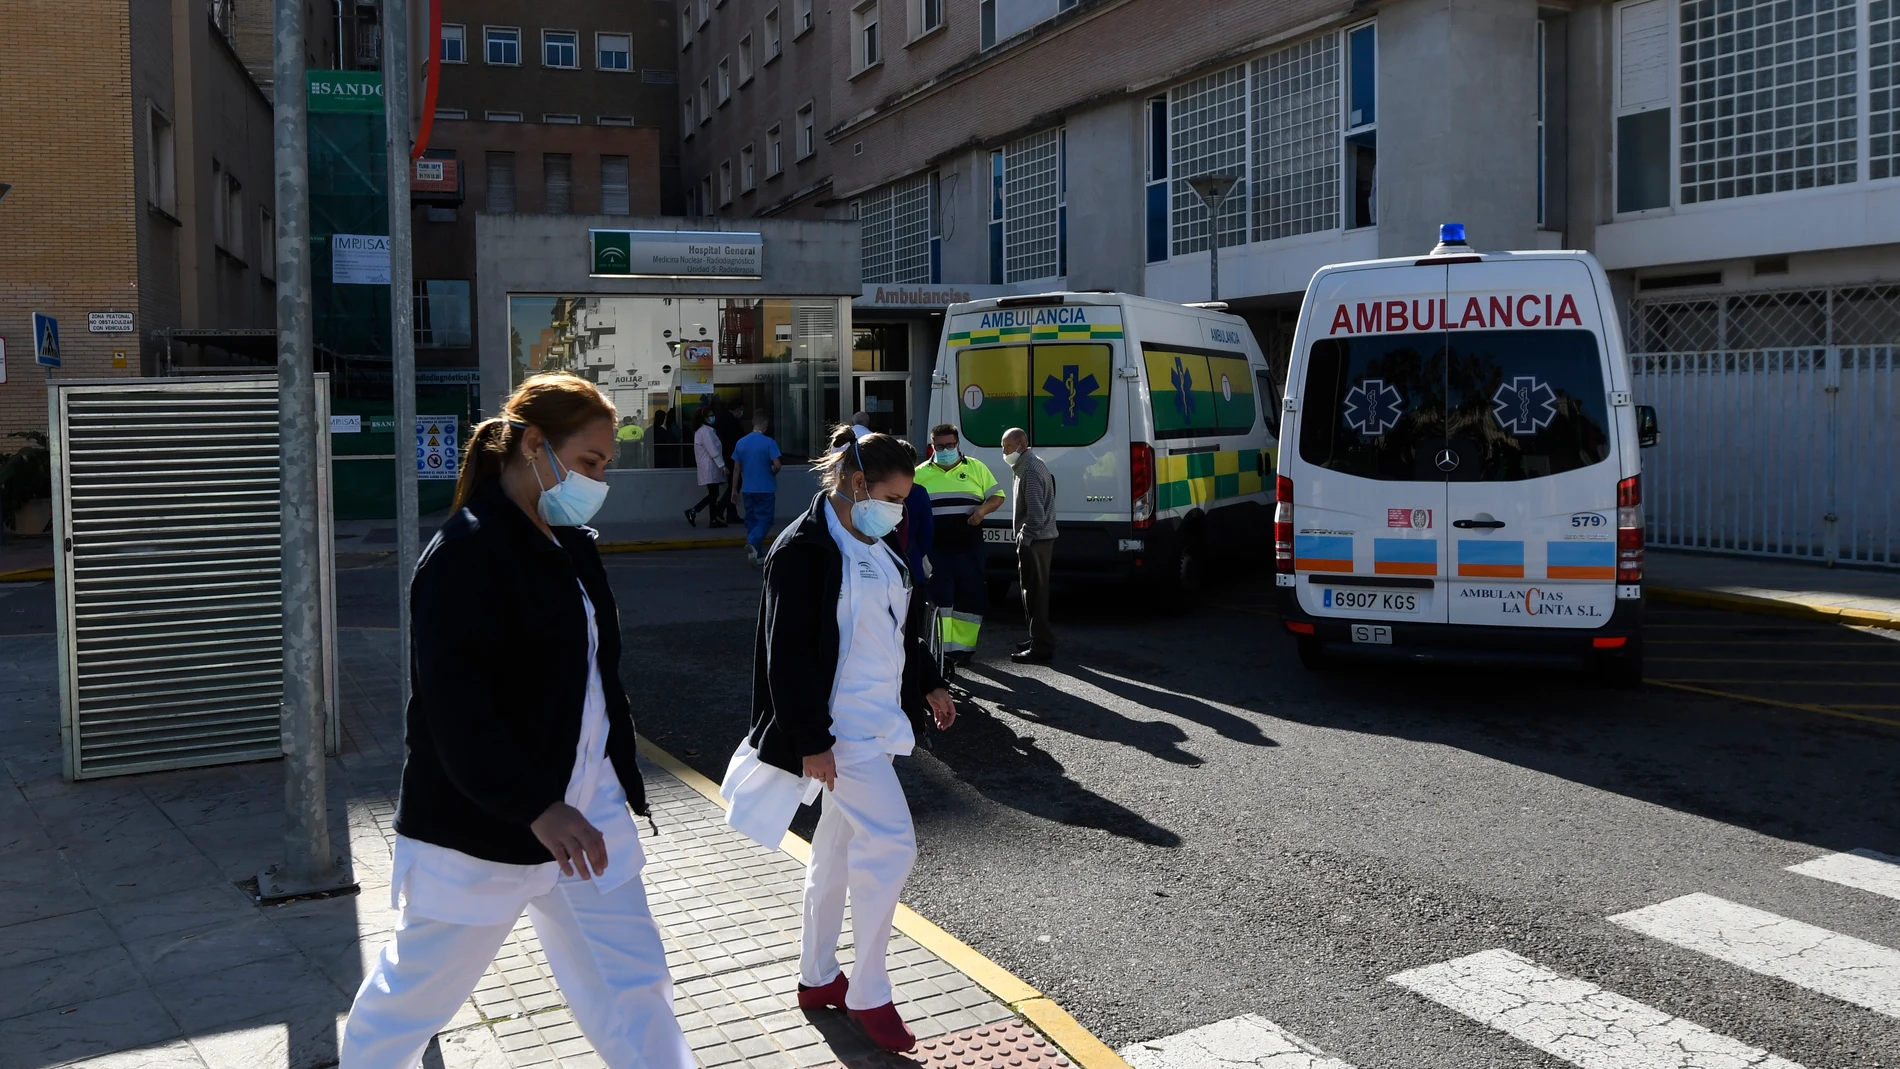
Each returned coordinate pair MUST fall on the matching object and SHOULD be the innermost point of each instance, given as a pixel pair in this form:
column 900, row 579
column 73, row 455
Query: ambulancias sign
column 349, row 91
column 676, row 253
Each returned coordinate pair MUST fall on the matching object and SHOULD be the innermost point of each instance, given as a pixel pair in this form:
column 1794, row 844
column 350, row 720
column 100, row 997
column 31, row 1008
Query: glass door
column 886, row 399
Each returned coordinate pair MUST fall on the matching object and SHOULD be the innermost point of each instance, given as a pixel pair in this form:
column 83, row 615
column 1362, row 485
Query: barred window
column 895, row 226
column 1883, row 89
column 1030, row 196
column 1296, row 140
column 1769, row 97
column 1208, row 135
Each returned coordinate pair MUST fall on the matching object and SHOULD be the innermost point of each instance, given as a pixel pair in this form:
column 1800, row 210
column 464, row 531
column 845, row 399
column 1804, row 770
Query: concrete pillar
column 1106, row 227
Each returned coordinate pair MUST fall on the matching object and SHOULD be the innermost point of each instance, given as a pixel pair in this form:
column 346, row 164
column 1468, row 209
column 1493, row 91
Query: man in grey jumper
column 1034, row 521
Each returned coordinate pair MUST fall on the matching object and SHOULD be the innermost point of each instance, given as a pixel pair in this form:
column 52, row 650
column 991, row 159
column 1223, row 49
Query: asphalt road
column 1176, row 825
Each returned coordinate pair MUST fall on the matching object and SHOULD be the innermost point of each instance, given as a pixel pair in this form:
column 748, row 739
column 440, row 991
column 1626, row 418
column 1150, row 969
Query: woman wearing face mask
column 842, row 682
column 521, row 772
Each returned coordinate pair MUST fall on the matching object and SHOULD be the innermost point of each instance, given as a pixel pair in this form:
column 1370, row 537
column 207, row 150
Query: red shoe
column 885, row 1028
column 824, row 995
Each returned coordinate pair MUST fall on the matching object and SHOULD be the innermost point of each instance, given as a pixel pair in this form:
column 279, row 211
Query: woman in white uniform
column 520, row 784
column 843, row 680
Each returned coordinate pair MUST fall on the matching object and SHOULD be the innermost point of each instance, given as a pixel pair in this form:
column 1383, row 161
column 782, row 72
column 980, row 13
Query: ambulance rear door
column 1532, row 479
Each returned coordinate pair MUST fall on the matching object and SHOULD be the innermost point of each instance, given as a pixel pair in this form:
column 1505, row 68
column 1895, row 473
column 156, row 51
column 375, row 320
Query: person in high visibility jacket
column 962, row 494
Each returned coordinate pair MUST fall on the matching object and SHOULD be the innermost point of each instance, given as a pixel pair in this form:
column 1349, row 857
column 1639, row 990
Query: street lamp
column 1213, row 189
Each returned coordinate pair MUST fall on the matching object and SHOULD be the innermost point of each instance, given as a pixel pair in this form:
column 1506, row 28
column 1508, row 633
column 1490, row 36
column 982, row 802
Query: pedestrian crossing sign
column 45, row 340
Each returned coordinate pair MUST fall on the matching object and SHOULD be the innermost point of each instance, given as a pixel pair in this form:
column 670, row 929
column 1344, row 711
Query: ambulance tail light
column 1141, row 484
column 1629, row 530
column 1283, row 525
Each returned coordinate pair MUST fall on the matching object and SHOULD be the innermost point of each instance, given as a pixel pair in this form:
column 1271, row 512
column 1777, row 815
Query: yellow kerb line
column 1081, row 1045
column 1821, row 709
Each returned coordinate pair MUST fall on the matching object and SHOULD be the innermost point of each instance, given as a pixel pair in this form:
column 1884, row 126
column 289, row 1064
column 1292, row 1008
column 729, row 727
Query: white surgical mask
column 571, row 501
column 1013, row 459
column 875, row 519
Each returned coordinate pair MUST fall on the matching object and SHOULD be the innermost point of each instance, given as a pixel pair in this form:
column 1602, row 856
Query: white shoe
column 751, row 555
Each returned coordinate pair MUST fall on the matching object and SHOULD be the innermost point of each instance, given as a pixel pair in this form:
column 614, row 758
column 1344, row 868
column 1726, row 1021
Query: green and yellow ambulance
column 1157, row 420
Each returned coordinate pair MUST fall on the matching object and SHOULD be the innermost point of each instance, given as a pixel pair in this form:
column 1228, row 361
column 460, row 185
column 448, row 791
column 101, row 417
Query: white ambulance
column 1461, row 473
column 1156, row 419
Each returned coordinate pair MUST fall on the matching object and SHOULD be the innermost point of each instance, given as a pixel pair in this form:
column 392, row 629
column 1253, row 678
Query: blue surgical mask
column 571, row 501
column 946, row 457
column 875, row 519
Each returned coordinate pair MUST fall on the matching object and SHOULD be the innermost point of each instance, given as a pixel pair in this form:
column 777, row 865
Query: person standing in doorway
column 712, row 468
column 1033, row 518
column 729, row 424
column 860, row 423
column 755, row 464
column 521, row 761
column 963, row 493
column 843, row 681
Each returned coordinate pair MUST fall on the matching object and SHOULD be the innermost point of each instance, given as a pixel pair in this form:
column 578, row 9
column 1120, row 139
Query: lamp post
column 1213, row 189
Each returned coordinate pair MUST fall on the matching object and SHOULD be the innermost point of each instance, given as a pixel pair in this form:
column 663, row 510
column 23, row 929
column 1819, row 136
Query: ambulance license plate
column 998, row 534
column 1369, row 600
column 1377, row 634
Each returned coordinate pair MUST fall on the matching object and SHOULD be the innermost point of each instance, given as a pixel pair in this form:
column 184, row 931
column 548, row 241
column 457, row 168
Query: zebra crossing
column 1589, row 1026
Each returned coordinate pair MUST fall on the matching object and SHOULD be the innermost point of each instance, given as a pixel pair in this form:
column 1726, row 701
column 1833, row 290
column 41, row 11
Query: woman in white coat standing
column 843, row 681
column 521, row 767
column 711, row 461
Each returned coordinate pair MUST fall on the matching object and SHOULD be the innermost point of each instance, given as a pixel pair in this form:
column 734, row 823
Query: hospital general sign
column 676, row 253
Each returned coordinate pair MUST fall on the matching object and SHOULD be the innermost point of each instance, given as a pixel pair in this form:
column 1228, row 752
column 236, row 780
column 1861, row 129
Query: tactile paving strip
column 1009, row 1045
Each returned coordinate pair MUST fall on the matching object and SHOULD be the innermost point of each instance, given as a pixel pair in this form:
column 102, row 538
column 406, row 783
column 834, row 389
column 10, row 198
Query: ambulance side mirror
column 1646, row 432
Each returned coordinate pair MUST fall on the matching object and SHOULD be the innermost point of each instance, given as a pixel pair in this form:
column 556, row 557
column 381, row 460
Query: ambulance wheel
column 1312, row 653
column 1623, row 671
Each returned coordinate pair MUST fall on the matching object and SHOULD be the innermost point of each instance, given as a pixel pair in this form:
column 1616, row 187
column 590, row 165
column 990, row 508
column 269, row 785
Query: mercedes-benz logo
column 1446, row 460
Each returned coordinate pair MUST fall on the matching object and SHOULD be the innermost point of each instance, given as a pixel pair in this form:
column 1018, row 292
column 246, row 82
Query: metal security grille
column 1769, row 96
column 1296, row 140
column 1777, row 410
column 1030, row 224
column 1883, row 88
column 1208, row 135
column 170, row 583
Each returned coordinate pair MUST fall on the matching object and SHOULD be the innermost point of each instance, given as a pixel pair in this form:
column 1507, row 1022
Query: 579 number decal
column 1589, row 519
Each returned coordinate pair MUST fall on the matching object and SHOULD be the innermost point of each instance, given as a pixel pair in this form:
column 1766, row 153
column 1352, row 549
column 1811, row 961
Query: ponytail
column 559, row 403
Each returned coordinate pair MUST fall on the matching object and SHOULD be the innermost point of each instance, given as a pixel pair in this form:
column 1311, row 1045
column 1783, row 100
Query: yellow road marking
column 1819, row 709
column 1842, row 705
column 1081, row 1045
column 1884, row 663
column 1795, row 682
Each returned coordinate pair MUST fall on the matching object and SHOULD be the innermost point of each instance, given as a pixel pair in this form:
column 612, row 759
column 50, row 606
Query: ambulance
column 1462, row 476
column 1156, row 419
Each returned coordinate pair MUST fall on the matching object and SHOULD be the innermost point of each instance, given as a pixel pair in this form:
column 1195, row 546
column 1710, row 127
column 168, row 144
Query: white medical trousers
column 864, row 843
column 606, row 956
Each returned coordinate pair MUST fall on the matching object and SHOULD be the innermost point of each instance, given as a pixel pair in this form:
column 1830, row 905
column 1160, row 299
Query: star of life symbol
column 1373, row 407
column 1070, row 396
column 1525, row 405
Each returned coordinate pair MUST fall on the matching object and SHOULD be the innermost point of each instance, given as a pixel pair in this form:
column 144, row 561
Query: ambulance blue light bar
column 1451, row 234
column 1451, row 249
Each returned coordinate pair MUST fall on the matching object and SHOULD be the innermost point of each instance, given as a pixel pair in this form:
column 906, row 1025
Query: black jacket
column 498, row 677
column 795, row 655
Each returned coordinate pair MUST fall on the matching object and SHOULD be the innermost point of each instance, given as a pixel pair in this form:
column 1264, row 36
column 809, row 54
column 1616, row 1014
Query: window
column 807, row 132
column 1883, row 83
column 504, row 45
column 1541, row 143
column 774, row 154
column 804, row 17
column 612, row 51
column 266, row 243
column 702, row 103
column 217, row 203
column 986, row 17
column 560, row 48
column 616, row 120
column 929, row 16
column 1642, row 105
column 705, row 196
column 725, row 79
column 745, row 59
column 557, row 175
column 686, row 113
column 686, row 25
column 864, row 32
column 996, row 217
column 501, row 182
column 1362, row 133
column 748, row 175
column 1199, row 392
column 705, row 13
column 451, row 113
column 1296, row 140
column 725, row 183
column 1156, row 191
column 774, row 44
column 895, row 223
column 233, row 216
column 1209, row 136
column 502, row 116
column 1031, row 194
column 562, row 119
column 441, row 314
column 1070, row 380
column 614, row 198
column 162, row 182
column 454, row 48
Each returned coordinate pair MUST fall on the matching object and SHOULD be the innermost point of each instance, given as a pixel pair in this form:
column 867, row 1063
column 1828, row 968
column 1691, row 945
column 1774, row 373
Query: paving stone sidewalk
column 126, row 942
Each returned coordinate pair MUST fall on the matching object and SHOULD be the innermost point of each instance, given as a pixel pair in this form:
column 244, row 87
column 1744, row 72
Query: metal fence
column 170, row 601
column 1782, row 445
